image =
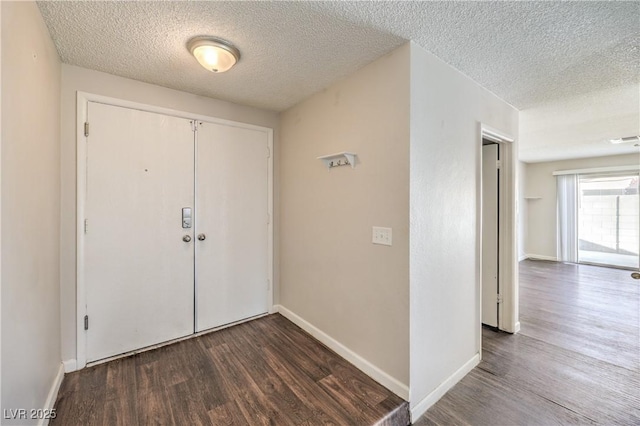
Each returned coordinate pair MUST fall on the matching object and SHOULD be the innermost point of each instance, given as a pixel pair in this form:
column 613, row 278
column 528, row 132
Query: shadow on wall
column 591, row 246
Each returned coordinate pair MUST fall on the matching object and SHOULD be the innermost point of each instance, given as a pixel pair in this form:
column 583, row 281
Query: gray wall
column 331, row 274
column 30, row 209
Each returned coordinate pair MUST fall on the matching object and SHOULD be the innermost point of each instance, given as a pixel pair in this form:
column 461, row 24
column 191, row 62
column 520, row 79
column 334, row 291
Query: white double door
column 148, row 276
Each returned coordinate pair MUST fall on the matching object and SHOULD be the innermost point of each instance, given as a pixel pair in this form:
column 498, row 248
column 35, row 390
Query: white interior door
column 232, row 216
column 138, row 270
column 490, row 203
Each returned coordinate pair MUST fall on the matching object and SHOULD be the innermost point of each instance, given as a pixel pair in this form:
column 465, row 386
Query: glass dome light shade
column 213, row 54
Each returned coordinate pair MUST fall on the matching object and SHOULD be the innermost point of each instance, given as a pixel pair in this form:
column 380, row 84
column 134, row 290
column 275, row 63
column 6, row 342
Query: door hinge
column 498, row 164
column 86, row 322
column 499, row 298
column 194, row 126
column 268, row 152
column 86, row 128
column 86, row 225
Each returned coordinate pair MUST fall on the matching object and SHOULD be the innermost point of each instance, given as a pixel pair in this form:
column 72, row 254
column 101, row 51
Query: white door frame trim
column 82, row 100
column 508, row 256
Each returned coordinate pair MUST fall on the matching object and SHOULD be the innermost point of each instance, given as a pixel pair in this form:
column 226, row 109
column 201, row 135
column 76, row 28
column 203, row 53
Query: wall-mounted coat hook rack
column 339, row 159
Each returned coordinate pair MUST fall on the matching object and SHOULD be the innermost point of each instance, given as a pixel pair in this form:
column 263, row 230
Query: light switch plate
column 382, row 236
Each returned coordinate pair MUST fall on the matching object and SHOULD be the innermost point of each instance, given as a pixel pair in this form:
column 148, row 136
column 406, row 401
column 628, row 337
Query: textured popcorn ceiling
column 578, row 127
column 531, row 54
column 527, row 53
column 288, row 50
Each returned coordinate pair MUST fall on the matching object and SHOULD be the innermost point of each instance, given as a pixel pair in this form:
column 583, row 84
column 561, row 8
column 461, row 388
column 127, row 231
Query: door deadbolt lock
column 186, row 217
column 202, row 237
column 186, row 238
column 635, row 275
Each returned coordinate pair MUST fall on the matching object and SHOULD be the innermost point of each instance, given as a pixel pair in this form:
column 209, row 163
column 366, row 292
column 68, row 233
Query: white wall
column 523, row 211
column 0, row 206
column 332, row 276
column 80, row 79
column 542, row 220
column 446, row 108
column 30, row 209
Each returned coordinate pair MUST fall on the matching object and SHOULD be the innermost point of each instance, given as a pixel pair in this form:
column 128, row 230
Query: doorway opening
column 174, row 229
column 490, row 233
column 497, row 219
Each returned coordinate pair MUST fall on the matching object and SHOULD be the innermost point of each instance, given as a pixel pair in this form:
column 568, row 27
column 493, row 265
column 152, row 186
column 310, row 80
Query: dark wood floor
column 575, row 360
column 263, row 372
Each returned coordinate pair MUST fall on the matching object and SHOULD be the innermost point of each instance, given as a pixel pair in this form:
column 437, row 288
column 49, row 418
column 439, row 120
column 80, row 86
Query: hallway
column 575, row 360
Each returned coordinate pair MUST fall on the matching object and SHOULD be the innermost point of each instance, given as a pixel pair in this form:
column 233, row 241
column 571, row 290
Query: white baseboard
column 70, row 365
column 53, row 395
column 517, row 327
column 421, row 407
column 541, row 257
column 512, row 330
column 359, row 362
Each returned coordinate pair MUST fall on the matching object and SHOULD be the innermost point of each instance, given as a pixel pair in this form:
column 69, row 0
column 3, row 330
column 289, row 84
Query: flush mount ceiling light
column 215, row 54
column 630, row 139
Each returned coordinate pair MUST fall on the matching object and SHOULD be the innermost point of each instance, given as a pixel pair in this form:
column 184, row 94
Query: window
column 609, row 219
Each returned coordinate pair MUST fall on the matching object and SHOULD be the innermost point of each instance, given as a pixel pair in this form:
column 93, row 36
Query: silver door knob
column 201, row 237
column 635, row 275
column 186, row 238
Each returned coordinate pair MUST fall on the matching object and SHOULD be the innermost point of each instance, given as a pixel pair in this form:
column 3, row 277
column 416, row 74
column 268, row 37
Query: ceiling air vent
column 629, row 139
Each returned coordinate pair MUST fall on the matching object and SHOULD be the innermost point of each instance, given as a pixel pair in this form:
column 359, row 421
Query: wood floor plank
column 485, row 399
column 154, row 408
column 369, row 393
column 394, row 414
column 204, row 375
column 188, row 403
column 304, row 358
column 120, row 398
column 360, row 413
column 263, row 372
column 576, row 359
column 87, row 402
column 573, row 381
column 324, row 408
column 276, row 392
column 228, row 414
column 241, row 387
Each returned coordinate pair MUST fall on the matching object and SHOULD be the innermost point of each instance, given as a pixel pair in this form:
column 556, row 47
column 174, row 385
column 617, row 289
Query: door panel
column 231, row 211
column 490, row 235
column 138, row 270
